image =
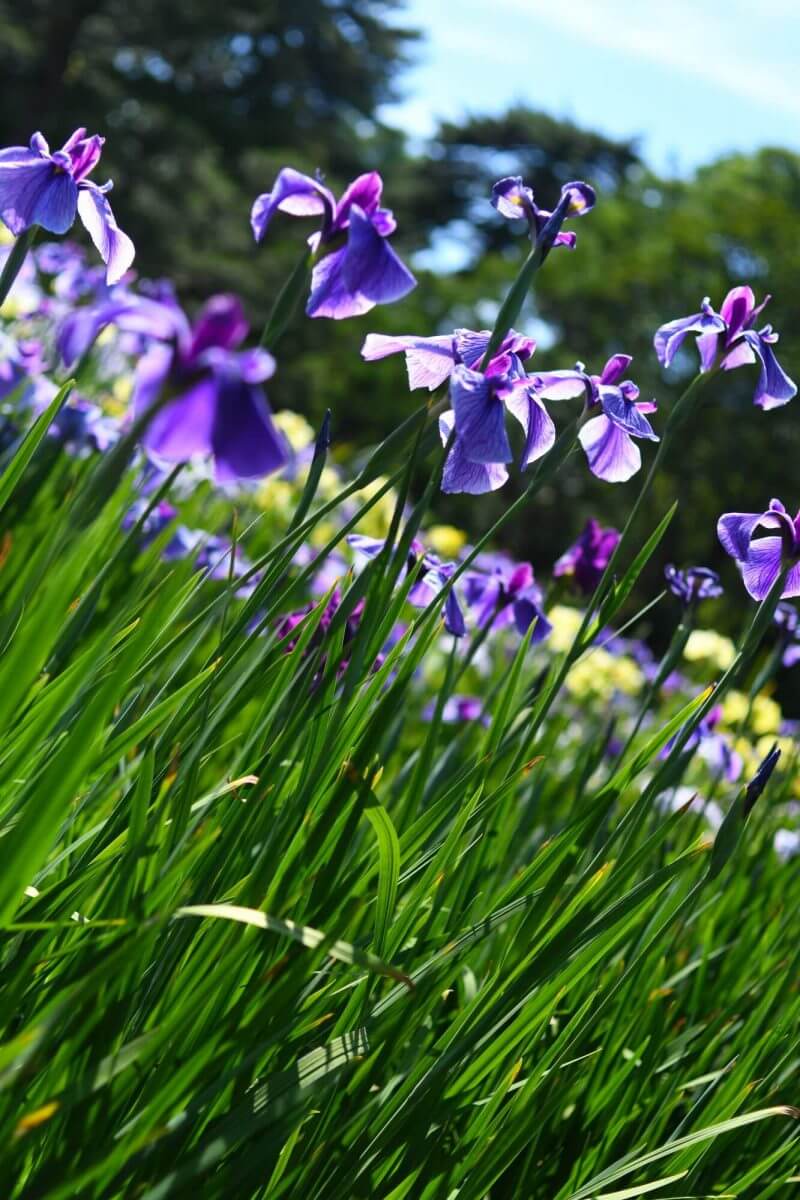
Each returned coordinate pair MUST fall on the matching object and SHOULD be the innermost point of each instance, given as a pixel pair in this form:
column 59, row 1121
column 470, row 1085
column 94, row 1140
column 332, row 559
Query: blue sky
column 691, row 80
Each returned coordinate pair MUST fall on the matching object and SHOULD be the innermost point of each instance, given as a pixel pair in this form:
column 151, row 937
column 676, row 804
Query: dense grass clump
column 344, row 859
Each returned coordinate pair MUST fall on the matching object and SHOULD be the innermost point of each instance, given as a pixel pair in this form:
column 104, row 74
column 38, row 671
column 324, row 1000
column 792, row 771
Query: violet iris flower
column 458, row 709
column 38, row 187
column 761, row 559
column 713, row 747
column 608, row 437
column 217, row 404
column 431, row 576
column 480, row 400
column 359, row 268
column 430, row 361
column 586, row 560
column 503, row 593
column 787, row 620
column 693, row 584
column 514, row 200
column 728, row 338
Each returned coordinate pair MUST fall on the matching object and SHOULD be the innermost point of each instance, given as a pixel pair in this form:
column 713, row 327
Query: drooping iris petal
column 429, row 361
column 370, row 266
column 612, row 454
column 293, row 193
column 461, row 475
column 453, row 616
column 670, row 337
column 244, row 441
column 330, row 296
column 526, row 610
column 774, row 387
column 114, row 247
column 184, row 427
column 33, row 191
column 540, row 431
column 762, row 566
column 512, row 199
column 626, row 415
column 561, row 385
column 479, row 417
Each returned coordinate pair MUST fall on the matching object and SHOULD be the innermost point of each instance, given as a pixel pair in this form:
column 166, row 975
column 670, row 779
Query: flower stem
column 16, row 258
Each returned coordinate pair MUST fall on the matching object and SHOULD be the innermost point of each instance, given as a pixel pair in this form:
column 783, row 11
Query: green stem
column 16, row 258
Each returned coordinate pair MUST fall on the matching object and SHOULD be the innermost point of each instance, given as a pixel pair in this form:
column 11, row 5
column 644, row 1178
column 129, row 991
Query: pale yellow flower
column 708, row 646
column 294, row 428
column 445, row 540
column 566, row 622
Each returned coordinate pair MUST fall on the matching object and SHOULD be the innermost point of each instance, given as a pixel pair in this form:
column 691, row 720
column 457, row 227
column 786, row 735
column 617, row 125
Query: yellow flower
column 376, row 522
column 277, row 497
column 566, row 622
column 294, row 428
column 445, row 540
column 765, row 715
column 601, row 674
column 705, row 645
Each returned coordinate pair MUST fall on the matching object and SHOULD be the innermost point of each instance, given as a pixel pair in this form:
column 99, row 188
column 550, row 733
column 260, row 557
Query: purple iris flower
column 761, row 559
column 132, row 314
column 430, row 361
column 359, row 268
column 50, row 190
column 608, row 437
column 693, row 584
column 431, row 576
column 760, row 780
column 730, row 339
column 458, row 709
column 787, row 620
column 503, row 593
column 713, row 747
column 514, row 200
column 480, row 400
column 216, row 403
column 586, row 560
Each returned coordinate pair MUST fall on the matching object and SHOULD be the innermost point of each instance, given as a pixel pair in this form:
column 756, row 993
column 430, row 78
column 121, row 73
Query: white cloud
column 746, row 49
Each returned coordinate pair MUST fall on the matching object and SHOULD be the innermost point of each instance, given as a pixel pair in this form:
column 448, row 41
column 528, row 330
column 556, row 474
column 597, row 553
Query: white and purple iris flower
column 431, row 361
column 355, row 267
column 761, row 559
column 729, row 339
column 502, row 592
column 206, row 395
column 480, row 400
column 608, row 437
column 787, row 621
column 457, row 710
column 514, row 200
column 47, row 189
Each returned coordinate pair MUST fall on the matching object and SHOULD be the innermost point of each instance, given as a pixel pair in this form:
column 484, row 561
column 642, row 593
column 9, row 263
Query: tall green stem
column 16, row 258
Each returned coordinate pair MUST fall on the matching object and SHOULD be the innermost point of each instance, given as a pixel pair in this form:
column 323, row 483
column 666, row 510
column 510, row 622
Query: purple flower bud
column 760, row 780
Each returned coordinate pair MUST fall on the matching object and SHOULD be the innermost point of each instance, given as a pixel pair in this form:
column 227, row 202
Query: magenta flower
column 47, row 189
column 586, row 560
column 608, row 437
column 514, row 200
column 359, row 268
column 761, row 559
column 430, row 361
column 728, row 339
